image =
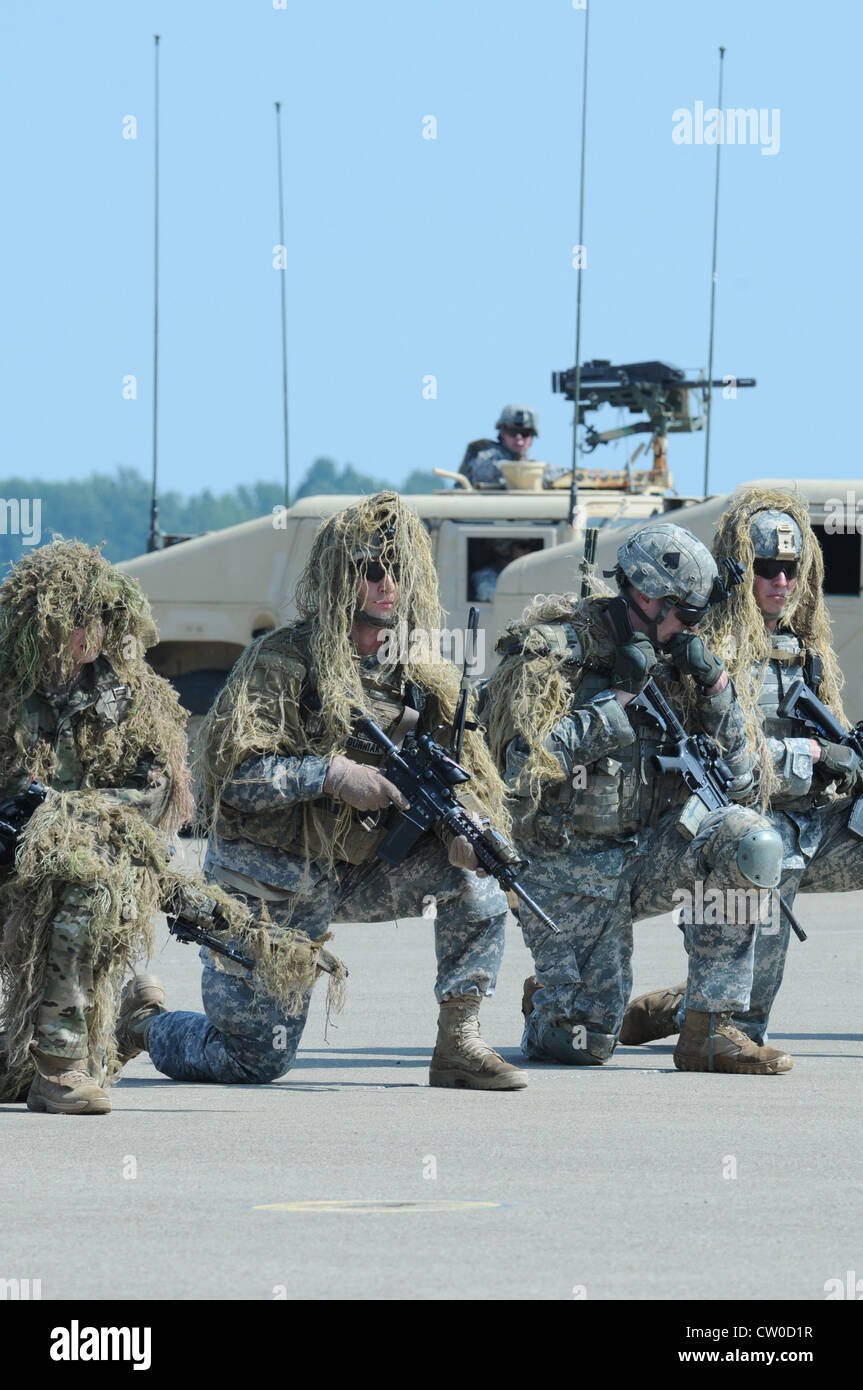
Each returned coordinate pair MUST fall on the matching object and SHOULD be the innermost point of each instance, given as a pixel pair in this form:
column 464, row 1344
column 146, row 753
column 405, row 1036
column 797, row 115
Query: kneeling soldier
column 295, row 796
column 609, row 837
column 775, row 631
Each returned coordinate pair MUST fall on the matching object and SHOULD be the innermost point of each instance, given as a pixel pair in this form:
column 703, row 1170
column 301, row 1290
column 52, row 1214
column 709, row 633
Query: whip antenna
column 709, row 391
column 154, row 540
column 284, row 310
column 573, row 486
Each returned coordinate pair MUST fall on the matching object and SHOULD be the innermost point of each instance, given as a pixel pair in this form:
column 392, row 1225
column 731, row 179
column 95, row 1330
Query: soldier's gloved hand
column 840, row 764
column 461, row 853
column 689, row 655
column 633, row 664
column 360, row 786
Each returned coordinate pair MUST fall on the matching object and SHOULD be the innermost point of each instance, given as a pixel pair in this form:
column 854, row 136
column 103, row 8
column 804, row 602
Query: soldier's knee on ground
column 571, row 1044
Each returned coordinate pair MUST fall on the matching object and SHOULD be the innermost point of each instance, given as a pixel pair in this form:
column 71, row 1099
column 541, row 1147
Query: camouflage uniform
column 54, row 716
column 822, row 853
column 482, row 469
column 256, row 850
column 607, row 848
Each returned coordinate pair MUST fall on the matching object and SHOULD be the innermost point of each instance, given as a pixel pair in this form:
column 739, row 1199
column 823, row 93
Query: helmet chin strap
column 361, row 616
column 650, row 623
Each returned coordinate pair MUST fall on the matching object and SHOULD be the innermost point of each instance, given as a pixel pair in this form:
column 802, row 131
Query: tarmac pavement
column 631, row 1181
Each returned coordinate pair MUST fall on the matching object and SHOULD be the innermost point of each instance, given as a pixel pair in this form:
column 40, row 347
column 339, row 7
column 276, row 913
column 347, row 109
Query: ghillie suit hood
column 383, row 529
column 47, row 595
column 737, row 632
column 532, row 688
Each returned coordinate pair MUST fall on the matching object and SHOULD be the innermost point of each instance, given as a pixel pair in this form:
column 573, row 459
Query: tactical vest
column 53, row 717
column 621, row 791
column 309, row 827
column 787, row 664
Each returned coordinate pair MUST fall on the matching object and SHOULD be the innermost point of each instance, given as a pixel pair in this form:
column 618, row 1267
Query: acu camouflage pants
column 243, row 1037
column 597, row 890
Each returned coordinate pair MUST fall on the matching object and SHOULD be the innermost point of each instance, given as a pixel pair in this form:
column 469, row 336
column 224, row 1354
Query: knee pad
column 574, row 1046
column 759, row 857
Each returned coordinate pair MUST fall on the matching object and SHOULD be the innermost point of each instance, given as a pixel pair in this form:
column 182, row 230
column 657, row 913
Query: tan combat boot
column 462, row 1058
column 143, row 1000
column 62, row 1086
column 531, row 985
column 651, row 1016
column 710, row 1042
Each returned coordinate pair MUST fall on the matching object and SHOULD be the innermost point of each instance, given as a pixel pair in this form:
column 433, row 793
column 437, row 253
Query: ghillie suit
column 110, row 747
column 285, row 727
column 295, row 692
column 286, row 962
column 532, row 688
column 737, row 630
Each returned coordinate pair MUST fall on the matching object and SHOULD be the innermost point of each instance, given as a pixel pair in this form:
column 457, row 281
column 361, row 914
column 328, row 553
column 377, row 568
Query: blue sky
column 409, row 256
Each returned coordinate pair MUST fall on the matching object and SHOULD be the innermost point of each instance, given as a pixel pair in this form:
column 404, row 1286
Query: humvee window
column 841, row 561
column 486, row 558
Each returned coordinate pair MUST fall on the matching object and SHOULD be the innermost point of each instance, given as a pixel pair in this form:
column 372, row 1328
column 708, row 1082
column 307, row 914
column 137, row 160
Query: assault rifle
column 693, row 757
column 188, row 929
column 803, row 704
column 426, row 776
column 15, row 811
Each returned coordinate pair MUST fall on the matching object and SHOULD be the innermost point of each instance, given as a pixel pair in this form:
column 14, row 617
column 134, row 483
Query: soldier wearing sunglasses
column 517, row 426
column 774, row 630
column 297, row 805
column 610, row 838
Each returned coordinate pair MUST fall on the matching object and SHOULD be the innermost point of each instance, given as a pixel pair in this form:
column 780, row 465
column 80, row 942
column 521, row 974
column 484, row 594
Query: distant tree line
column 115, row 508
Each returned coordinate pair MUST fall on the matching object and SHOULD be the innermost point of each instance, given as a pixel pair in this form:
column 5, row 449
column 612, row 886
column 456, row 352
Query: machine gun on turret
column 672, row 404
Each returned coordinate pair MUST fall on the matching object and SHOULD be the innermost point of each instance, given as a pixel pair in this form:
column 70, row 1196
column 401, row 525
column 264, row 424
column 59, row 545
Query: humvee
column 211, row 595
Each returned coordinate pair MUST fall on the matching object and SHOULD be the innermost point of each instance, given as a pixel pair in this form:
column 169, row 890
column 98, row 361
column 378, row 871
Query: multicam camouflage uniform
column 272, row 807
column 53, row 717
column 83, row 713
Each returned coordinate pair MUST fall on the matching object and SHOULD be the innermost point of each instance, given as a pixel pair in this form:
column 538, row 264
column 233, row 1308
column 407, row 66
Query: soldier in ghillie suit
column 292, row 792
column 775, row 629
column 610, row 838
column 81, row 712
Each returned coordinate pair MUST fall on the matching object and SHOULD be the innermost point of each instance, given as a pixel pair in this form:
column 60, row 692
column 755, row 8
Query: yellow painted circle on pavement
column 359, row 1204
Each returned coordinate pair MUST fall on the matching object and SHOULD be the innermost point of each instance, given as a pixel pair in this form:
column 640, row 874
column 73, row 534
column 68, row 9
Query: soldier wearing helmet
column 610, row 839
column 517, row 426
column 773, row 631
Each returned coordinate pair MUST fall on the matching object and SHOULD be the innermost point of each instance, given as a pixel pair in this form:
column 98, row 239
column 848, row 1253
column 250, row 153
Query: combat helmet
column 518, row 416
column 775, row 536
column 665, row 561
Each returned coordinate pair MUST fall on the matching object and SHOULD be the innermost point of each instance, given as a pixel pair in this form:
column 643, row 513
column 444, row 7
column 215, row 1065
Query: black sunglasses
column 771, row 569
column 691, row 617
column 373, row 572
